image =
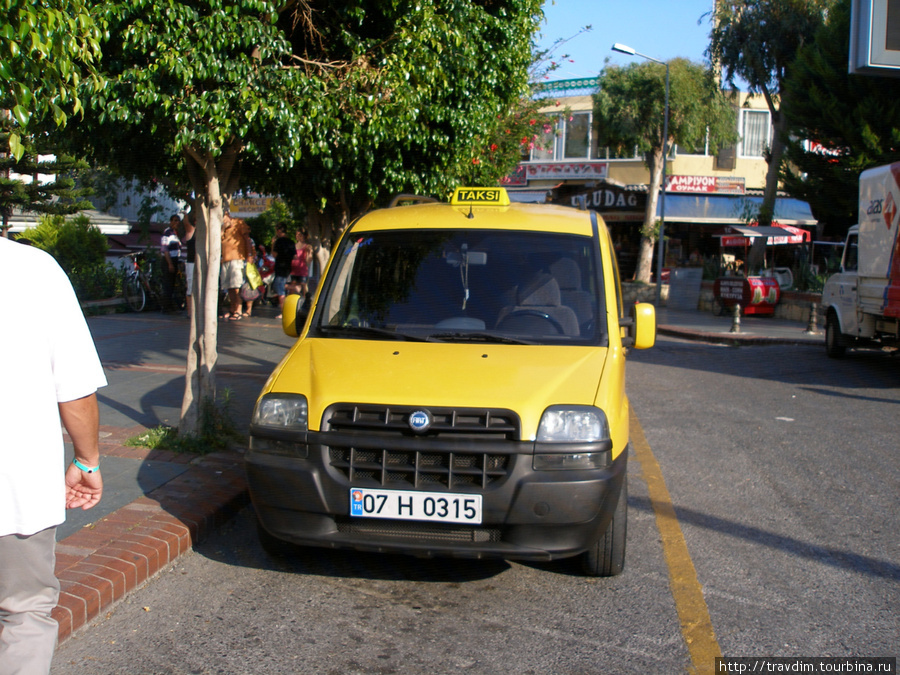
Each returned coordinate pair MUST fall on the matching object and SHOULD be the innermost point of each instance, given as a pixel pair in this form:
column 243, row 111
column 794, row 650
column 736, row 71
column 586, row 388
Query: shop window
column 577, row 136
column 545, row 147
column 568, row 138
column 755, row 133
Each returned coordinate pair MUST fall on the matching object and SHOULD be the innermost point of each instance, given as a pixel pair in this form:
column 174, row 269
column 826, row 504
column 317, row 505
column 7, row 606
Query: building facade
column 704, row 193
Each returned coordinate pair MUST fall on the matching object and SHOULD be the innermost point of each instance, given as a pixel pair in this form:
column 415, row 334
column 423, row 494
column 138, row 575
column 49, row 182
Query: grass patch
column 217, row 431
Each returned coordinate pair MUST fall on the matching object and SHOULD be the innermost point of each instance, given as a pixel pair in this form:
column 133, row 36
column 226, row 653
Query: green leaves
column 16, row 148
column 630, row 107
column 46, row 50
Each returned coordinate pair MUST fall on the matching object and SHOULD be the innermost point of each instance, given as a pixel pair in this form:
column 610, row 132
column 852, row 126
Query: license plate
column 407, row 505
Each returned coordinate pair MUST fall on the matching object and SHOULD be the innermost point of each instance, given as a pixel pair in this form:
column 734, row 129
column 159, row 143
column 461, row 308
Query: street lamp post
column 623, row 49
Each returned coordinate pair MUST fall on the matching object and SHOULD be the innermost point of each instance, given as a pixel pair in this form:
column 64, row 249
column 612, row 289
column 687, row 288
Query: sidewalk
column 156, row 504
column 754, row 329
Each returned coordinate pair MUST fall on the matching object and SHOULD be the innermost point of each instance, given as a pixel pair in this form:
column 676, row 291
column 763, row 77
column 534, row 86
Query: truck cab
column 862, row 301
column 457, row 389
column 840, row 299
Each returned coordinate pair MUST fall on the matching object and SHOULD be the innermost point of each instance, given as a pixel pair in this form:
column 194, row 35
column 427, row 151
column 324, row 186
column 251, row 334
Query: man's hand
column 83, row 490
column 81, row 418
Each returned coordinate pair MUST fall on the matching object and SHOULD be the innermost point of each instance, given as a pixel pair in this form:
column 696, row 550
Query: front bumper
column 527, row 514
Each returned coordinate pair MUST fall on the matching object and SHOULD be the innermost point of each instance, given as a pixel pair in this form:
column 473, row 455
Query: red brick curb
column 100, row 564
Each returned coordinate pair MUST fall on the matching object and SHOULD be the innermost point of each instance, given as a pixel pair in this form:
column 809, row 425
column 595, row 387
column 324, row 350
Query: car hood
column 522, row 378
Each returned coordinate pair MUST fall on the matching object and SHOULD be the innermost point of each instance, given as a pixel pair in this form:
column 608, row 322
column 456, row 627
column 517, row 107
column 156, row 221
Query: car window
column 464, row 285
column 851, row 257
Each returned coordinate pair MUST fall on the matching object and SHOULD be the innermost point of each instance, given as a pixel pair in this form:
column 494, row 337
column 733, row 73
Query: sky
column 662, row 29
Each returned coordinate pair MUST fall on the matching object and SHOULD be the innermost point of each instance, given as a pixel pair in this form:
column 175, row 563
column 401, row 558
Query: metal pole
column 661, row 240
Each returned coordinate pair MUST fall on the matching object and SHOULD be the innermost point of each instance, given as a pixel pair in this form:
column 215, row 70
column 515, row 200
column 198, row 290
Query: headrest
column 542, row 291
column 566, row 272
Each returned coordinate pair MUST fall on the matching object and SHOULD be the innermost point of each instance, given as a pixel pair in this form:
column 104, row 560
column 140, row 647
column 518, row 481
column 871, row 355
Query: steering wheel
column 534, row 312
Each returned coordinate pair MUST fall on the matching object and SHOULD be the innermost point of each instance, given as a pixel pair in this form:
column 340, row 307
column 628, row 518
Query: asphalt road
column 782, row 469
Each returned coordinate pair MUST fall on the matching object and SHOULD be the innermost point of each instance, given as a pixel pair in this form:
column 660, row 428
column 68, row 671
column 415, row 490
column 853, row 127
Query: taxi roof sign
column 479, row 196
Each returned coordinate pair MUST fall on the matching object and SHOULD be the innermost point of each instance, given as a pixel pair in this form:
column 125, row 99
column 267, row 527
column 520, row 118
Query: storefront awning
column 742, row 235
column 731, row 209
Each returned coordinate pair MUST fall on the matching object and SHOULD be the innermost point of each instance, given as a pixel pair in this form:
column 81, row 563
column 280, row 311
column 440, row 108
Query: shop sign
column 732, row 185
column 558, row 170
column 250, row 205
column 607, row 199
column 516, row 179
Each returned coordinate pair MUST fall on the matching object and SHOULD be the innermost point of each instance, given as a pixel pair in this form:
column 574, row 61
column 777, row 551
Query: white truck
column 861, row 302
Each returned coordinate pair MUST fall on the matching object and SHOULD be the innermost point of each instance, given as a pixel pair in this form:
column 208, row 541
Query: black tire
column 134, row 294
column 835, row 346
column 606, row 558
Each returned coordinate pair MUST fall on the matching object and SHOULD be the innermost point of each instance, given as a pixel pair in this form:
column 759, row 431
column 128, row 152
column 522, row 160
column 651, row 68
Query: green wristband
column 84, row 467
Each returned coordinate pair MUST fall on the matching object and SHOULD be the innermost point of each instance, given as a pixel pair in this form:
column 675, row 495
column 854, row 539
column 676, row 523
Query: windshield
column 464, row 286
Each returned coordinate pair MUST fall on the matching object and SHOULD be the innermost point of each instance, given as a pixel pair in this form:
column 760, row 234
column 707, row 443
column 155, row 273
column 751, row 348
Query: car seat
column 538, row 310
column 568, row 276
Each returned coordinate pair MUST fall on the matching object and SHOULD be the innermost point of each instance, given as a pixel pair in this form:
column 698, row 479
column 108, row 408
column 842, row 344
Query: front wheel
column 134, row 292
column 834, row 341
column 606, row 558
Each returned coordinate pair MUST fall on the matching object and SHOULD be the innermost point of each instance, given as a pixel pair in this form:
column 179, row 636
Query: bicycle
column 136, row 287
column 141, row 286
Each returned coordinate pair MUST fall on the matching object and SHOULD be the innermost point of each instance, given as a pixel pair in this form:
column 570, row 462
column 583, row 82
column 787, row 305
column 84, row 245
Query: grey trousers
column 29, row 590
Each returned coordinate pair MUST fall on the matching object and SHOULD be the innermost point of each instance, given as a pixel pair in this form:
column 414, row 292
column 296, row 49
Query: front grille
column 421, row 532
column 386, row 457
column 418, row 469
column 480, row 423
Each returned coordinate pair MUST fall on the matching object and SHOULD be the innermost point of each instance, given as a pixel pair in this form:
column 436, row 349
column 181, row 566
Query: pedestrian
column 189, row 262
column 237, row 250
column 170, row 250
column 285, row 251
column 300, row 264
column 249, row 295
column 54, row 376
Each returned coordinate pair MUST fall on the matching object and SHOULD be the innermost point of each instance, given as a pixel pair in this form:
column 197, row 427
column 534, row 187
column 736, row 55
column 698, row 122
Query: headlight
column 286, row 412
column 573, row 424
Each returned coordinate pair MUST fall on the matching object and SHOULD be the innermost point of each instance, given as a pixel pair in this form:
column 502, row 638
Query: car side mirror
column 293, row 315
column 640, row 326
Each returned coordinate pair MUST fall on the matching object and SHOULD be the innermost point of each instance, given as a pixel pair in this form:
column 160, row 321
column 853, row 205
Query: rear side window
column 459, row 285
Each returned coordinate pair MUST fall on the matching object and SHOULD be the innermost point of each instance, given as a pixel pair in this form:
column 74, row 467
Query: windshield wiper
column 371, row 331
column 481, row 337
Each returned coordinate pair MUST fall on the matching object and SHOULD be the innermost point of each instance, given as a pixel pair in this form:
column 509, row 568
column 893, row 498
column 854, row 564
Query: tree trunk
column 200, row 374
column 648, row 229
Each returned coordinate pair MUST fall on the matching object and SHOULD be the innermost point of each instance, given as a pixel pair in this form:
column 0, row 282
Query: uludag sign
column 711, row 184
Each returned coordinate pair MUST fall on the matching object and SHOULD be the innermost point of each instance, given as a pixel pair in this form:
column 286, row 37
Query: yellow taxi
column 457, row 389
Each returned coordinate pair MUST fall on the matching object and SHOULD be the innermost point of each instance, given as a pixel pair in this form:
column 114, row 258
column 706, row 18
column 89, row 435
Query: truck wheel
column 606, row 558
column 834, row 342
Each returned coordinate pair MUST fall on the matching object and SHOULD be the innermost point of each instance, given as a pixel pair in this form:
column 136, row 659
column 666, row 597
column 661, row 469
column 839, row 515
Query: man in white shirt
column 51, row 373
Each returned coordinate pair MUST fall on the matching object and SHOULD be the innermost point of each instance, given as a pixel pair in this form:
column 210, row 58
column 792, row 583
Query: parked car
column 457, row 389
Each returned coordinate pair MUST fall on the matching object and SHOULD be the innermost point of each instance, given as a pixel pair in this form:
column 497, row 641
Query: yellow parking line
column 696, row 626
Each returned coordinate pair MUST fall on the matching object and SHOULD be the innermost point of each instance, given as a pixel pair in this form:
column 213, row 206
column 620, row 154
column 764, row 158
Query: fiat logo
column 420, row 421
